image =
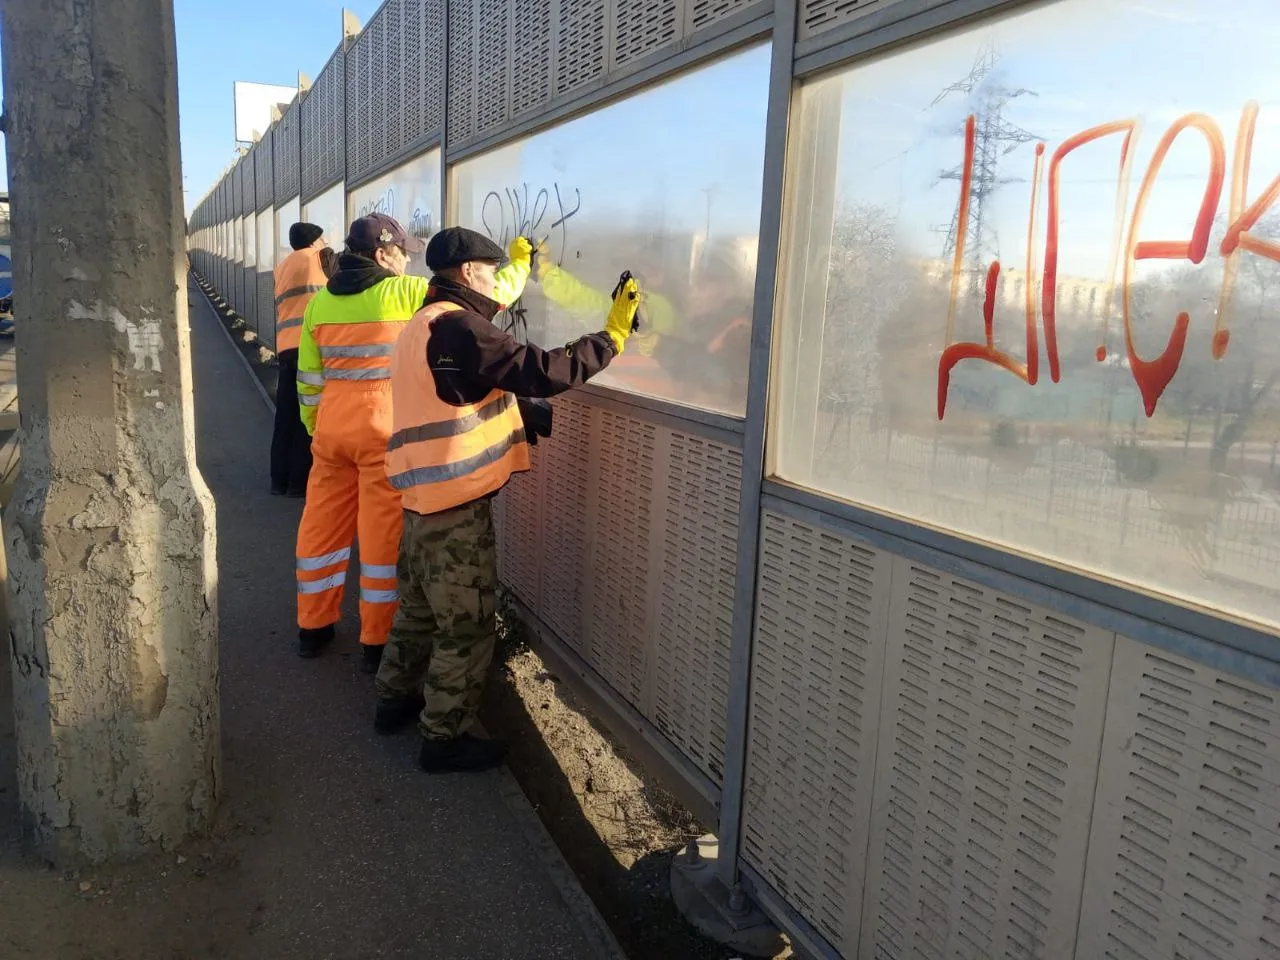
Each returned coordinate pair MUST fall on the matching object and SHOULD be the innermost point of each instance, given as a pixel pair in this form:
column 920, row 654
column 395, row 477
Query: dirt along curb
column 615, row 825
column 260, row 360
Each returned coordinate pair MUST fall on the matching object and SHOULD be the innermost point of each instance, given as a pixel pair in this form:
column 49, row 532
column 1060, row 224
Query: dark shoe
column 311, row 642
column 295, row 493
column 278, row 491
column 461, row 754
column 395, row 713
column 371, row 658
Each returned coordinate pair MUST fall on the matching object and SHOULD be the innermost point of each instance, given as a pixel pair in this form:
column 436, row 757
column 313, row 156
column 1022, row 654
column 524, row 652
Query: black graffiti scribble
column 515, row 213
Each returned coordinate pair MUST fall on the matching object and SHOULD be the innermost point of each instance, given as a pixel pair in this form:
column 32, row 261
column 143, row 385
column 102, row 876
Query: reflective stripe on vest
column 299, row 277
column 441, row 456
column 355, row 351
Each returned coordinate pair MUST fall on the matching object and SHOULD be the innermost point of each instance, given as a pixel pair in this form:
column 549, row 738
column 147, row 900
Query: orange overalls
column 344, row 395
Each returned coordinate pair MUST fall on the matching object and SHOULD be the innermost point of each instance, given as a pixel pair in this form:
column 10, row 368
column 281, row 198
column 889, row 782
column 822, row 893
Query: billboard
column 253, row 103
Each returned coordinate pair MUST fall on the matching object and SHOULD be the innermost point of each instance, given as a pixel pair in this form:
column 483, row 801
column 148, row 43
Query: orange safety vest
column 299, row 277
column 441, row 456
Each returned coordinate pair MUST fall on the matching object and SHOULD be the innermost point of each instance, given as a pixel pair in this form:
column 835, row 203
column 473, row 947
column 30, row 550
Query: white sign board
column 253, row 107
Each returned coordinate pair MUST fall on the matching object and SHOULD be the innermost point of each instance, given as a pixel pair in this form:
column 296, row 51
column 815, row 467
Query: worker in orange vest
column 299, row 276
column 458, row 437
column 344, row 397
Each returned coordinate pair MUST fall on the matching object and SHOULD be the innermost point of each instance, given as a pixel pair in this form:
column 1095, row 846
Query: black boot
column 394, row 713
column 370, row 658
column 311, row 642
column 462, row 753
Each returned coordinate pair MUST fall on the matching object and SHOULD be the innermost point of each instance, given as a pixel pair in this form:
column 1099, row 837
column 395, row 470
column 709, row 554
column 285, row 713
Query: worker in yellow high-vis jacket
column 344, row 395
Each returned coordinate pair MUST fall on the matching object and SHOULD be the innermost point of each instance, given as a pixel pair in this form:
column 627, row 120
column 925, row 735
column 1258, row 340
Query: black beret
column 453, row 246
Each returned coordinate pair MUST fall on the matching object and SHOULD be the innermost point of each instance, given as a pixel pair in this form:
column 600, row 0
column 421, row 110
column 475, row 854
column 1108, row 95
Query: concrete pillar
column 110, row 534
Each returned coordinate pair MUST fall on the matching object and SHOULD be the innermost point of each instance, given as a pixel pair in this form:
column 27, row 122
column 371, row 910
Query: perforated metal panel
column 818, row 16
column 821, row 621
column 359, row 105
column 642, row 26
column 462, row 71
column 706, row 13
column 285, row 152
column 699, row 556
column 386, row 119
column 249, row 296
column 264, row 170
column 531, row 55
column 519, row 552
column 1184, row 857
column 493, row 66
column 565, row 534
column 619, row 616
column 415, row 67
column 985, row 773
column 581, row 44
column 433, row 75
column 266, row 311
column 323, row 119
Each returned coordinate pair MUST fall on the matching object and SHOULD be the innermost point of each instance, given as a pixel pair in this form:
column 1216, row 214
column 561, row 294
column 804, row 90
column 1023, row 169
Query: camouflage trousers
column 445, row 628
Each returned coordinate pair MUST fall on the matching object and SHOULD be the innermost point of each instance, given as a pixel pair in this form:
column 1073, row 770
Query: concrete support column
column 110, row 535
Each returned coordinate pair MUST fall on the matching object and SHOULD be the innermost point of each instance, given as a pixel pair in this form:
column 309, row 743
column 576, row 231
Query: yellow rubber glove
column 520, row 251
column 510, row 280
column 622, row 315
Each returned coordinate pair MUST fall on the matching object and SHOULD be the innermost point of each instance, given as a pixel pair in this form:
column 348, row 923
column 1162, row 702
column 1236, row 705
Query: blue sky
column 263, row 41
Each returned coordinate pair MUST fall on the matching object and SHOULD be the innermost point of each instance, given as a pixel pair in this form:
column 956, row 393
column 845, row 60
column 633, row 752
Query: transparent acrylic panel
column 410, row 193
column 1031, row 291
column 287, row 215
column 329, row 211
column 238, row 240
column 266, row 241
column 665, row 183
column 249, row 225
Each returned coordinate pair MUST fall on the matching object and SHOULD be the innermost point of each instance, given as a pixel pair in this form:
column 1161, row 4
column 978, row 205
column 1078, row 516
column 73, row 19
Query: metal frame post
column 753, row 452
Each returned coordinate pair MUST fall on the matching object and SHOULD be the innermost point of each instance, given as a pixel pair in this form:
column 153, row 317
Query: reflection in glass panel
column 329, row 212
column 665, row 183
column 266, row 241
column 238, row 240
column 1031, row 291
column 287, row 215
column 410, row 193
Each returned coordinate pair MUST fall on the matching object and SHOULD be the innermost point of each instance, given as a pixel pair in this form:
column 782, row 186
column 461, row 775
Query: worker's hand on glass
column 622, row 315
column 543, row 261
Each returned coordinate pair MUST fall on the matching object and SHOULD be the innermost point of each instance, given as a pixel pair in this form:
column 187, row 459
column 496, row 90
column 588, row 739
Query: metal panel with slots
column 323, row 122
column 531, row 53
column 358, row 105
column 990, row 732
column 519, row 553
column 700, row 14
column 643, row 26
column 461, row 65
column 819, row 16
column 581, row 44
column 493, row 65
column 285, row 150
column 417, row 71
column 433, row 41
column 1184, row 857
column 698, row 558
column 622, row 510
column 264, row 170
column 820, row 626
column 564, row 539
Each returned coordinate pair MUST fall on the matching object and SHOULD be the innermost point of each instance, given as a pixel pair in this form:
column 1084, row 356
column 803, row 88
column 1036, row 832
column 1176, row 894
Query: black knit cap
column 454, row 246
column 303, row 235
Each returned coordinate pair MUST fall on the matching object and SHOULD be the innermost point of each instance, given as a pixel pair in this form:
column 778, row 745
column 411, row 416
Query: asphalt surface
column 331, row 843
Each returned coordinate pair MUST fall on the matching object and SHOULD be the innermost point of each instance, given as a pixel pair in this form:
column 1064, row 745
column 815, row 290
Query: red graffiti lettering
column 1049, row 296
column 953, row 353
column 1153, row 376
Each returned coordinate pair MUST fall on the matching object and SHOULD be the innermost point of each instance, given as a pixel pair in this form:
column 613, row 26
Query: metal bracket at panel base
column 687, row 783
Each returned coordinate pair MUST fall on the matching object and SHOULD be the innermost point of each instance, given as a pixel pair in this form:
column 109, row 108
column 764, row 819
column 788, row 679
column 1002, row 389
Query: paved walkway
column 331, row 843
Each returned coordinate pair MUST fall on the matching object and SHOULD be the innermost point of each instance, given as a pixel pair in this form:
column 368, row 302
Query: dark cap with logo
column 376, row 230
column 454, row 246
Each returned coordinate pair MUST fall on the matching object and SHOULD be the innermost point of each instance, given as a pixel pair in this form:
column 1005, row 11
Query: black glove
column 536, row 415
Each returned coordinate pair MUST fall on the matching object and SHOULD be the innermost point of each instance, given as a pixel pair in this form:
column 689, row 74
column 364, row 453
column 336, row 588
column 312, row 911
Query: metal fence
column 912, row 744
